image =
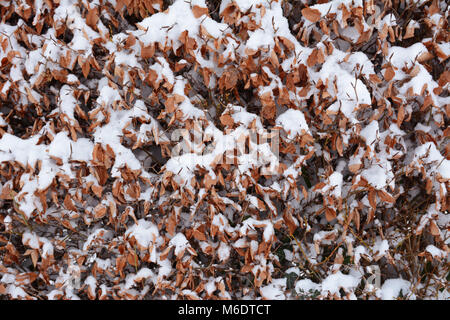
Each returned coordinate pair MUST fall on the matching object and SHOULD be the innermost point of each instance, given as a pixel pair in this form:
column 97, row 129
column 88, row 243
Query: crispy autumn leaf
column 147, row 51
column 389, row 73
column 339, row 146
column 92, row 17
column 226, row 120
column 99, row 211
column 68, row 203
column 372, row 198
column 330, row 214
column 434, row 229
column 199, row 11
column 312, row 15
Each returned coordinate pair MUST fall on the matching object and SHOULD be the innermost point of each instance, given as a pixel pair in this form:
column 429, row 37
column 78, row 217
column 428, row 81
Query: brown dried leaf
column 92, row 18
column 330, row 214
column 287, row 43
column 288, row 219
column 99, row 211
column 199, row 11
column 34, row 257
column 428, row 186
column 226, row 120
column 400, row 116
column 199, row 235
column 312, row 15
column 318, row 186
column 147, row 51
column 372, row 198
column 97, row 190
column 339, row 146
column 86, row 68
column 389, row 73
column 131, row 40
column 434, row 229
column 274, row 59
column 269, row 109
column 68, row 203
column 385, row 196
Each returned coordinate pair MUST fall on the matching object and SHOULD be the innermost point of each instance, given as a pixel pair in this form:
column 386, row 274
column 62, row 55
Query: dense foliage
column 97, row 204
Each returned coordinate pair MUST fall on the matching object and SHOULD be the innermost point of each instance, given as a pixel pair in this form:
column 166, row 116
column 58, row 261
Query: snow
column 377, row 176
column 145, row 233
column 28, row 152
column 53, row 117
column 359, row 251
column 108, row 96
column 431, row 156
column 389, row 20
column 275, row 290
column 91, row 282
column 445, row 47
column 180, row 243
column 8, row 278
column 99, row 233
column 82, row 150
column 306, row 286
column 210, row 287
column 392, row 288
column 31, row 239
column 168, row 26
column 436, row 252
column 183, row 166
column 240, row 115
column 381, row 247
column 371, row 133
column 243, row 5
column 396, row 130
column 64, row 148
column 404, row 57
column 333, row 7
column 252, row 223
column 334, row 282
column 223, row 252
column 293, row 122
column 111, row 133
column 324, row 236
column 350, row 91
column 24, row 151
column 144, row 273
column 122, row 58
column 335, row 184
column 16, row 292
